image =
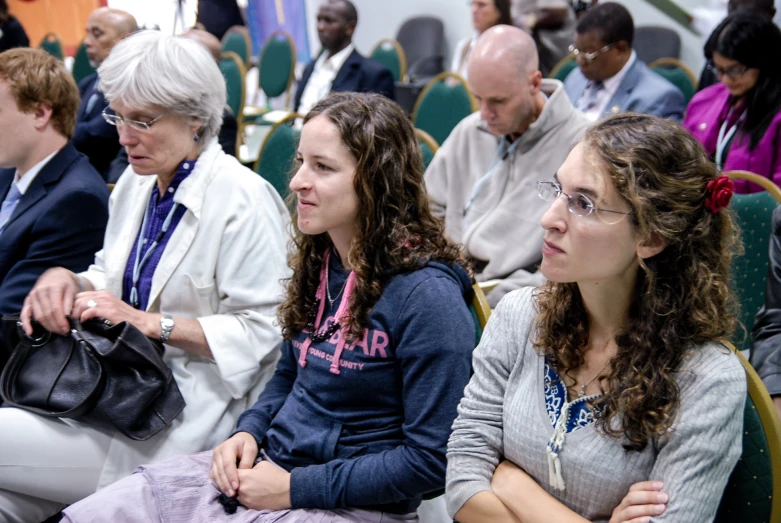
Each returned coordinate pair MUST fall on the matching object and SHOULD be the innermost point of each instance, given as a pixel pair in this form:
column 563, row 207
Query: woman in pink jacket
column 738, row 121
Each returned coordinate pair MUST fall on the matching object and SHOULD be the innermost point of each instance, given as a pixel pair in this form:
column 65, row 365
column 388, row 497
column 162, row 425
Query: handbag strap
column 14, row 365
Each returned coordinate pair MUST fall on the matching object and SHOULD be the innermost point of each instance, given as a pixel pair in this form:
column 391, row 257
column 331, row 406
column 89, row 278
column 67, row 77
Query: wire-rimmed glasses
column 116, row 121
column 589, row 57
column 578, row 204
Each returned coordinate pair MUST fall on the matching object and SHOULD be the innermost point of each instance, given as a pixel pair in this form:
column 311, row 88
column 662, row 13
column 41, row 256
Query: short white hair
column 150, row 68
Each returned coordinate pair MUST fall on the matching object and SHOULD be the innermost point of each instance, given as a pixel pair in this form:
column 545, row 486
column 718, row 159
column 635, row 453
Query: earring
column 196, row 138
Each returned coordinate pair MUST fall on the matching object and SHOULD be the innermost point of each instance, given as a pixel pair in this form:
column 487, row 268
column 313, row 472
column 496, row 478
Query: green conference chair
column 562, row 69
column 233, row 71
column 237, row 40
column 52, row 44
column 428, row 147
column 443, row 103
column 276, row 71
column 677, row 74
column 278, row 154
column 390, row 54
column 81, row 65
column 753, row 491
column 753, row 214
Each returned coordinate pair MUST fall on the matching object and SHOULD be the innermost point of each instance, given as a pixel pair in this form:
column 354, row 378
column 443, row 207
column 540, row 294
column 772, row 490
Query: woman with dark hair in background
column 353, row 426
column 738, row 121
column 485, row 14
column 12, row 33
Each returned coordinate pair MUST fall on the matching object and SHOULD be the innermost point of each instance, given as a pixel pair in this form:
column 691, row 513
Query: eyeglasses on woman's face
column 589, row 57
column 578, row 204
column 118, row 121
column 736, row 71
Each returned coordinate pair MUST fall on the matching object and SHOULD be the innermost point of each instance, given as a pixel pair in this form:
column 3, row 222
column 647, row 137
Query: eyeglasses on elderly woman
column 578, row 204
column 118, row 121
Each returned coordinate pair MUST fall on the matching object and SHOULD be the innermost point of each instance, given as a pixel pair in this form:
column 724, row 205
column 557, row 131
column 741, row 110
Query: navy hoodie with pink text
column 373, row 436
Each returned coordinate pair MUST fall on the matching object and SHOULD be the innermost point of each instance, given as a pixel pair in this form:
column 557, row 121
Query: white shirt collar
column 23, row 183
column 335, row 62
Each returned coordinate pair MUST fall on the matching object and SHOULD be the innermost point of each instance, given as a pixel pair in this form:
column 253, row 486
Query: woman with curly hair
column 378, row 343
column 606, row 391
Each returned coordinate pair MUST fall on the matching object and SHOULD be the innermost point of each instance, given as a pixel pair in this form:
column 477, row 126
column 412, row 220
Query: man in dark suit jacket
column 94, row 136
column 54, row 204
column 339, row 67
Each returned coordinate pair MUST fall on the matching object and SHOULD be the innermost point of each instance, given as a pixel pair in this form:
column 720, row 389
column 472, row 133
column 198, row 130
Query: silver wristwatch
column 166, row 325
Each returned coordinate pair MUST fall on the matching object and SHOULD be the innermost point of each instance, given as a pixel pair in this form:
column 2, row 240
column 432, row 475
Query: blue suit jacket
column 641, row 91
column 59, row 222
column 358, row 74
column 94, row 136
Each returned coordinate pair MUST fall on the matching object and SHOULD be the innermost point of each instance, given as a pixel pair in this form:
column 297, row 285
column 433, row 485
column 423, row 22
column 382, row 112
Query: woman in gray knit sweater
column 605, row 395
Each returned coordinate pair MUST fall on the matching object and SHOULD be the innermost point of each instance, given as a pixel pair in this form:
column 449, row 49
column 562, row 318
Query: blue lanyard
column 499, row 158
column 140, row 262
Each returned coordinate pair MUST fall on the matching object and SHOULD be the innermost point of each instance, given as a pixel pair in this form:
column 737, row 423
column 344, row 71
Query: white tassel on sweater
column 554, row 447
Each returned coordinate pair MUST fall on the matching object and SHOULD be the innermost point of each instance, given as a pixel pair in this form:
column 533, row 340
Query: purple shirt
column 704, row 116
column 157, row 211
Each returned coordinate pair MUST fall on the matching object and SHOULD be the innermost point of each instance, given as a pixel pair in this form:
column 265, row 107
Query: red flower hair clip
column 719, row 193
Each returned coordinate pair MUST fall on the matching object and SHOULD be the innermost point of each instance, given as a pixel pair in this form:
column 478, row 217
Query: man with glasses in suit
column 610, row 79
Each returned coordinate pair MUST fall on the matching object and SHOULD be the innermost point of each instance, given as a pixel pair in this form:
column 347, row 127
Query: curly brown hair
column 396, row 231
column 682, row 295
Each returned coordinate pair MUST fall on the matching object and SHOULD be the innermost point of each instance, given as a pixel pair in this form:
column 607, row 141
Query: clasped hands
column 262, row 487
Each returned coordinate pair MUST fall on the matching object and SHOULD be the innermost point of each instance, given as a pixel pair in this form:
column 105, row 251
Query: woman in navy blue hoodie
column 378, row 340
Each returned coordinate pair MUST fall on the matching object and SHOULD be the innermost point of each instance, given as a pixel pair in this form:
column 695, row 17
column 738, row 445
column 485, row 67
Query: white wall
column 158, row 12
column 378, row 19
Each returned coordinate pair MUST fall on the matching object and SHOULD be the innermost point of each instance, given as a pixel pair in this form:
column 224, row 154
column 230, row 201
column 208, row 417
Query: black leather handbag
column 99, row 374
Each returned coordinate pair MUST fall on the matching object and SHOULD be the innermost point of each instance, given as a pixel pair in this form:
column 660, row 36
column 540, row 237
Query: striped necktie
column 93, row 98
column 589, row 98
column 9, row 204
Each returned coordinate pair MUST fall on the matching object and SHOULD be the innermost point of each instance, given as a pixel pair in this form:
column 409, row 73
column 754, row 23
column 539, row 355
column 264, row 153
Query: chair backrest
column 676, row 72
column 753, row 491
column 390, row 54
column 652, row 42
column 81, row 66
column 276, row 65
column 562, row 69
column 428, row 146
column 278, row 154
column 233, row 71
column 753, row 214
column 480, row 310
column 52, row 44
column 443, row 103
column 237, row 40
column 422, row 38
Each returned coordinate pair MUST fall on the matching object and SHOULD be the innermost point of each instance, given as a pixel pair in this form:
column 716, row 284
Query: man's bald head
column 505, row 48
column 505, row 79
column 206, row 39
column 105, row 27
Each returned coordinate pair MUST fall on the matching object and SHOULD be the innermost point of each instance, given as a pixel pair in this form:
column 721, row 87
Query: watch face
column 168, row 323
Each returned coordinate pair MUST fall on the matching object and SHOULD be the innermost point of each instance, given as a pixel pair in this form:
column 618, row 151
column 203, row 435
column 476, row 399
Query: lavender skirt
column 179, row 490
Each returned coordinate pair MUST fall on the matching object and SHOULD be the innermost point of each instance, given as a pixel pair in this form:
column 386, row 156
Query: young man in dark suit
column 339, row 67
column 54, row 204
column 94, row 136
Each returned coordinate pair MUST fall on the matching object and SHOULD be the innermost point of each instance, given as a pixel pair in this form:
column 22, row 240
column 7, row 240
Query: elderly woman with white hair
column 194, row 255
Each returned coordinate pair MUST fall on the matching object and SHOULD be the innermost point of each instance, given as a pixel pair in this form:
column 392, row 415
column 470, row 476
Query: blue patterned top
column 158, row 211
column 580, row 415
